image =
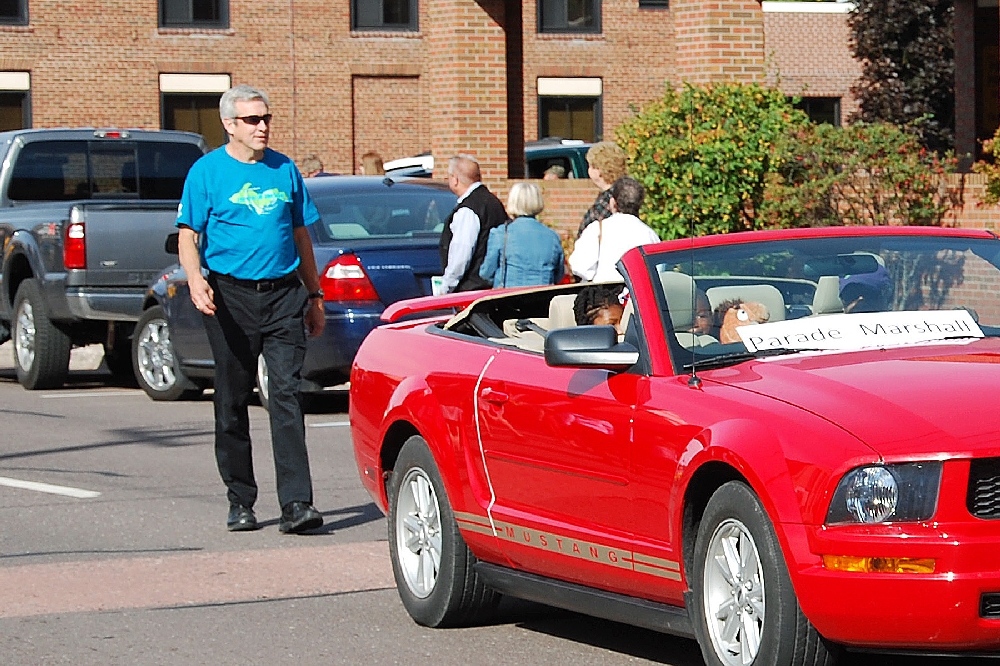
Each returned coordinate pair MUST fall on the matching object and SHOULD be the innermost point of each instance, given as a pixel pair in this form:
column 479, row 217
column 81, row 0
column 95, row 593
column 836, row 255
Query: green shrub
column 703, row 154
column 862, row 174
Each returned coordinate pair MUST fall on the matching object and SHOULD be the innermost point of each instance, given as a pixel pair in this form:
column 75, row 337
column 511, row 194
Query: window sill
column 385, row 33
column 175, row 31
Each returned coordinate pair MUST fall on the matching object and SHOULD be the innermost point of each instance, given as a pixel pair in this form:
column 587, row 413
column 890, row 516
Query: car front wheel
column 156, row 368
column 743, row 605
column 430, row 561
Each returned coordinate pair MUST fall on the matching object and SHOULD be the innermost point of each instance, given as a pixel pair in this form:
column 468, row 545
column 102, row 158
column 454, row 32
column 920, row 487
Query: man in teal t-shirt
column 243, row 216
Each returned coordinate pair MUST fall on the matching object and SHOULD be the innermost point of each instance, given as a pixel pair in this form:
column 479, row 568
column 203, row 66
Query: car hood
column 905, row 402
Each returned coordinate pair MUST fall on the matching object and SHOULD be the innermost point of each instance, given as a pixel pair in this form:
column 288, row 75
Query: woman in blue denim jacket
column 523, row 252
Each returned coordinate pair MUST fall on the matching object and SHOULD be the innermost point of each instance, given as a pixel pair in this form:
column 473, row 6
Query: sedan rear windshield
column 383, row 214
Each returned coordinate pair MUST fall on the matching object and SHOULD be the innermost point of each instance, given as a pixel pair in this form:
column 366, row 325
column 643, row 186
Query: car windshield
column 727, row 303
column 387, row 213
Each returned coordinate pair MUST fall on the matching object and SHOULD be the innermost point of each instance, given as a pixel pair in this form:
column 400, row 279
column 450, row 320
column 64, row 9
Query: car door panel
column 556, row 447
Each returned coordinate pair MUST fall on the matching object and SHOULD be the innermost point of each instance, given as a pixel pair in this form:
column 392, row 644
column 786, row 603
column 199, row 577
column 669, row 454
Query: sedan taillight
column 344, row 279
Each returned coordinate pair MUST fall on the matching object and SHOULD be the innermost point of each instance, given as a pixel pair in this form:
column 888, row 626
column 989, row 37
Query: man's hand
column 187, row 251
column 315, row 318
column 201, row 294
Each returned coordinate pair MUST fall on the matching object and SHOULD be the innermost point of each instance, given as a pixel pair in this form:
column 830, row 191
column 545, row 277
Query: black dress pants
column 249, row 321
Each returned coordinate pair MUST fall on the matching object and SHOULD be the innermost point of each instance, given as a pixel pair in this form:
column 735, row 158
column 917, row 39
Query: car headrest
column 561, row 311
column 678, row 288
column 826, row 300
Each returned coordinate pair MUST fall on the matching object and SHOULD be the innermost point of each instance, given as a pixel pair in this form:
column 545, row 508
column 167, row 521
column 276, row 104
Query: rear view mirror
column 842, row 265
column 170, row 245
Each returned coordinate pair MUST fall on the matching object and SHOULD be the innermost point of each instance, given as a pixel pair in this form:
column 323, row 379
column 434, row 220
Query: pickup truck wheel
column 744, row 607
column 41, row 349
column 153, row 360
column 430, row 561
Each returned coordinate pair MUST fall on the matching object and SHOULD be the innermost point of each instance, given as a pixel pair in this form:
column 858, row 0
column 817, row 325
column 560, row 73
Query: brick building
column 405, row 76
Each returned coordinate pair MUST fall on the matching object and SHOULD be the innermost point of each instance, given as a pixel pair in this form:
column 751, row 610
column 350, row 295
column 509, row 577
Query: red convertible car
column 814, row 469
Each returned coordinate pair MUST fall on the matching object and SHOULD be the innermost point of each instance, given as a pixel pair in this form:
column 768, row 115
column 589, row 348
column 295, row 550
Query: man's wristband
column 316, row 294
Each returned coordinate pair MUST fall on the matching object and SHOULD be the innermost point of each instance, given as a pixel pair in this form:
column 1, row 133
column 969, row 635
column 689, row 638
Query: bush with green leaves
column 862, row 174
column 703, row 154
column 990, row 169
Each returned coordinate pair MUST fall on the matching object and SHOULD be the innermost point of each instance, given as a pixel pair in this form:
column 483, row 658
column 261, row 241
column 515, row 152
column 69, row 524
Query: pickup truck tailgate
column 125, row 243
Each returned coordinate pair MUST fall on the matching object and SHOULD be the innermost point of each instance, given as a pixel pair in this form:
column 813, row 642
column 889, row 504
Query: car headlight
column 906, row 492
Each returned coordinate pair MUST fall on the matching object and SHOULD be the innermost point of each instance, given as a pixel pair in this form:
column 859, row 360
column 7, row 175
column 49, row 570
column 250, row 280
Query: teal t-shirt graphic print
column 260, row 202
column 246, row 213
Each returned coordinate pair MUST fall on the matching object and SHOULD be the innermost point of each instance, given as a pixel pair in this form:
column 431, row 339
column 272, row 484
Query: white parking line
column 92, row 394
column 48, row 488
column 330, row 424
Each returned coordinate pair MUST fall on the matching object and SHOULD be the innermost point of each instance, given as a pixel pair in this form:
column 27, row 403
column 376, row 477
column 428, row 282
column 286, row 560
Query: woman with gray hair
column 523, row 252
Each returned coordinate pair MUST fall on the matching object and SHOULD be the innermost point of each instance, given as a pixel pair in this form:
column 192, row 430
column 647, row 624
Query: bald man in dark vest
column 467, row 229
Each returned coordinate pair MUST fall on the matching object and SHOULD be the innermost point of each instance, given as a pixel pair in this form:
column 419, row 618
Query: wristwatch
column 316, row 294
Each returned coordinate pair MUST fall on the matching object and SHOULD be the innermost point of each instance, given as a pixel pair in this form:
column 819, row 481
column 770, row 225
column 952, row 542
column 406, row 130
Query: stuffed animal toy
column 732, row 314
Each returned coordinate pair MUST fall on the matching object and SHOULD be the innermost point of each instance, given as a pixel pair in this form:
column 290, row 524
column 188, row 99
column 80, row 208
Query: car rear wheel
column 430, row 561
column 41, row 349
column 153, row 361
column 744, row 607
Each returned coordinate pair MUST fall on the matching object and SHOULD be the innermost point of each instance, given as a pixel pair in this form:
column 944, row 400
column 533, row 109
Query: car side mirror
column 589, row 347
column 170, row 245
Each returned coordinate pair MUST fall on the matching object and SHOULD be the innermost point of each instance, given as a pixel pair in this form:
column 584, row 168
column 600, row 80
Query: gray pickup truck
column 84, row 217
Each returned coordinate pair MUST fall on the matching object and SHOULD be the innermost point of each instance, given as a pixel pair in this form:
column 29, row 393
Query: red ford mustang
column 788, row 448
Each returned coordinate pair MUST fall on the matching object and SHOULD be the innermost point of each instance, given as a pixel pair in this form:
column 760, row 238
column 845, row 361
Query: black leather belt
column 260, row 285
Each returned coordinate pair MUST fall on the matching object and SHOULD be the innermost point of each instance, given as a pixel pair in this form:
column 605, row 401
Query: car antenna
column 694, row 381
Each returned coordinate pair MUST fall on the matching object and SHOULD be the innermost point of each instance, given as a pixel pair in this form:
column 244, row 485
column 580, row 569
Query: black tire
column 154, row 363
column 762, row 607
column 118, row 358
column 449, row 593
column 41, row 349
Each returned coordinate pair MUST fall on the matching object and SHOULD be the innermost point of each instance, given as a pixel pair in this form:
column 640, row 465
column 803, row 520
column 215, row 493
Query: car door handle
column 494, row 396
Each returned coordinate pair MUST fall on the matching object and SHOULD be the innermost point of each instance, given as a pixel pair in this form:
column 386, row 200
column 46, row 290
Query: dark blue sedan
column 377, row 243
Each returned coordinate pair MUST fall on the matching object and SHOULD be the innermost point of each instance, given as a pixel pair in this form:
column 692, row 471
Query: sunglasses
column 255, row 120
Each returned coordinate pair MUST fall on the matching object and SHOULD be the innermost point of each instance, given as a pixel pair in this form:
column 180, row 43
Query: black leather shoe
column 298, row 517
column 241, row 519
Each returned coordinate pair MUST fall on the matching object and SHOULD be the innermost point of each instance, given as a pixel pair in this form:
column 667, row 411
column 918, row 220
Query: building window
column 383, row 14
column 14, row 12
column 569, row 15
column 653, row 4
column 570, row 118
column 821, row 109
column 190, row 102
column 194, row 13
column 570, row 108
column 15, row 100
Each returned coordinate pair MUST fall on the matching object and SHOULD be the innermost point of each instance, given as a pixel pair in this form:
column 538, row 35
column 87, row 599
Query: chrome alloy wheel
column 24, row 335
column 734, row 594
column 418, row 532
column 155, row 355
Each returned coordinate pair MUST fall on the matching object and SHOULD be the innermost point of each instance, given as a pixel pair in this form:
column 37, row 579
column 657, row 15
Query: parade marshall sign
column 857, row 331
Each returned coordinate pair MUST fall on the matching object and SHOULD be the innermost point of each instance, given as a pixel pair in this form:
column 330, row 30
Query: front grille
column 989, row 605
column 984, row 488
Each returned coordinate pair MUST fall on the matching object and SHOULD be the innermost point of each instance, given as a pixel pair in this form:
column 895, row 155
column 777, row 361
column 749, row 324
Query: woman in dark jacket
column 523, row 252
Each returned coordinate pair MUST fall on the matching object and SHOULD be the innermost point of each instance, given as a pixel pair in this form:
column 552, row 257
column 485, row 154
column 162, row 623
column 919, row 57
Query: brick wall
column 808, row 54
column 718, row 41
column 338, row 93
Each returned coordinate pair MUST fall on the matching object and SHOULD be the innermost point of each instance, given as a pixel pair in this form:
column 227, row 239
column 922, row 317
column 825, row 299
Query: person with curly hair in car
column 599, row 305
